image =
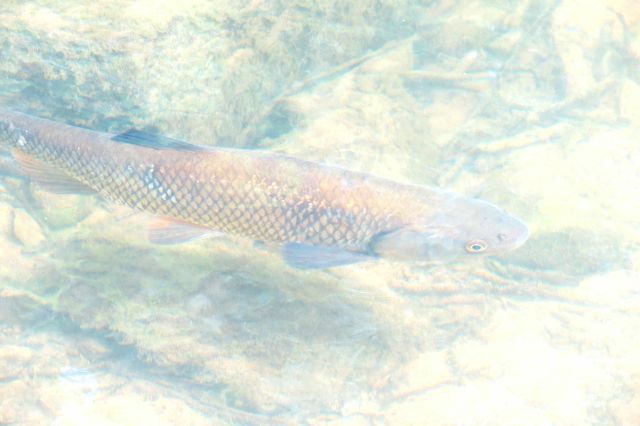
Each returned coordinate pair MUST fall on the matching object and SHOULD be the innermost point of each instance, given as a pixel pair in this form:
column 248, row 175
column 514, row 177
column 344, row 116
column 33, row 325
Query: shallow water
column 532, row 105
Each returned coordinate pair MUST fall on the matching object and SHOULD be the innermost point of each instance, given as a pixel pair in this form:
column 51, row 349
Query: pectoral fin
column 305, row 256
column 50, row 178
column 397, row 244
column 409, row 243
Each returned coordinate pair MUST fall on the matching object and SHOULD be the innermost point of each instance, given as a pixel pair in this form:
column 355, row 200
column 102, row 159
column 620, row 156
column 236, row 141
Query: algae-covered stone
column 63, row 379
column 575, row 252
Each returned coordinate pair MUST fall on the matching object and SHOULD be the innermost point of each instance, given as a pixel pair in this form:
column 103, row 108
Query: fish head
column 461, row 227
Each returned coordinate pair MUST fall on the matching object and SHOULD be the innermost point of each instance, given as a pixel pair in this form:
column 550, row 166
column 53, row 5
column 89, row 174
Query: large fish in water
column 321, row 216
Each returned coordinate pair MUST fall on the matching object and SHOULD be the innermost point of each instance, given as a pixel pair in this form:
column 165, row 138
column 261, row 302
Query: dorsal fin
column 150, row 140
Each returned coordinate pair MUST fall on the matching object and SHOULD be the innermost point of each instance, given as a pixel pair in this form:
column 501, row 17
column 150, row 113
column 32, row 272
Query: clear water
column 533, row 105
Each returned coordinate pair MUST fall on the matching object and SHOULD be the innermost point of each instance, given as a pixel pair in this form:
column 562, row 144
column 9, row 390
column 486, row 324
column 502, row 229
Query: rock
column 26, row 230
column 13, row 360
column 6, row 219
column 62, row 211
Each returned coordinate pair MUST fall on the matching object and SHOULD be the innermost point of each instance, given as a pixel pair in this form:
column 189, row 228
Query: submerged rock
column 62, row 211
column 26, row 230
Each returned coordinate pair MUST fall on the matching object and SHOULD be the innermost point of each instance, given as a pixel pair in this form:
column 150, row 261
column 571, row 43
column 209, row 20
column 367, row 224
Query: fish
column 320, row 216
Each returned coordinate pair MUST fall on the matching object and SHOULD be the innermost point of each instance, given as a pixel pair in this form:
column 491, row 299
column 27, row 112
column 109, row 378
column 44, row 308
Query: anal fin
column 49, row 177
column 171, row 231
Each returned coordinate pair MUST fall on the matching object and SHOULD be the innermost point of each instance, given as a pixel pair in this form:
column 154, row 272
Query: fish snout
column 514, row 235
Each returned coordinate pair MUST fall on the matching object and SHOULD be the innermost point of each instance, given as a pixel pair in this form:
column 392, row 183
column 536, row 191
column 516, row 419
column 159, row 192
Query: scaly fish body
column 262, row 195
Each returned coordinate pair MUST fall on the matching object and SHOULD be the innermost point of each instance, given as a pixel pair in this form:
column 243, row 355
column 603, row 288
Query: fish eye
column 476, row 246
